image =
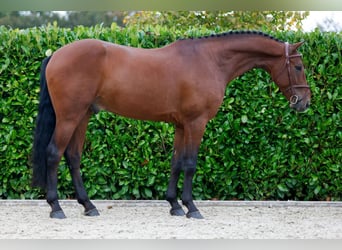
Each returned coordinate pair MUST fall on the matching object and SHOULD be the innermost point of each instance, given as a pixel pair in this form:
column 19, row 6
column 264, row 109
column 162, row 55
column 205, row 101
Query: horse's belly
column 139, row 106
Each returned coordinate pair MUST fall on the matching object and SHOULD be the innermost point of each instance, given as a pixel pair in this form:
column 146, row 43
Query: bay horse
column 182, row 83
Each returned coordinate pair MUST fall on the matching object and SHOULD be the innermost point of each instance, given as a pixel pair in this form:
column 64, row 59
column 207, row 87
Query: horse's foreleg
column 187, row 200
column 73, row 157
column 186, row 145
column 176, row 168
column 192, row 138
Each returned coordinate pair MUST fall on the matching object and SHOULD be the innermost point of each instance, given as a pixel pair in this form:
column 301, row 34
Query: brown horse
column 182, row 83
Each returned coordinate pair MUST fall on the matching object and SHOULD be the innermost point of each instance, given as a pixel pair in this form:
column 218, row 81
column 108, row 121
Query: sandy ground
column 151, row 220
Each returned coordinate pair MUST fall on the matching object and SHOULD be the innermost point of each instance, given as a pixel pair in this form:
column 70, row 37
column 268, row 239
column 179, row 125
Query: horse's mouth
column 300, row 106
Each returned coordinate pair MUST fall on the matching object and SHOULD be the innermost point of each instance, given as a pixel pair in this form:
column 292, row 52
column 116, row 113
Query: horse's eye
column 298, row 67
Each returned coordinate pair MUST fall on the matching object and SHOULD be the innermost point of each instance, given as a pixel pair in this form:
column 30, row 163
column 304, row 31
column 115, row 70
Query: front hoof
column 195, row 215
column 177, row 212
column 57, row 214
column 92, row 212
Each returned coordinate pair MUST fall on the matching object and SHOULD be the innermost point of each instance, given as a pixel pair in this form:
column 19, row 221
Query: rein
column 294, row 99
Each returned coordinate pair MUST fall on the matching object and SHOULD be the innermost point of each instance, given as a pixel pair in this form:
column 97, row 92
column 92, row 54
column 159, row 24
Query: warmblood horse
column 182, row 83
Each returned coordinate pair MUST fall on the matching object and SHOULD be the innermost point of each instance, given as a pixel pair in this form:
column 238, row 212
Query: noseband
column 294, row 99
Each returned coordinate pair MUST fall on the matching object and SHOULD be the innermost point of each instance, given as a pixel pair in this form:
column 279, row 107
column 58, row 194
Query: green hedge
column 256, row 148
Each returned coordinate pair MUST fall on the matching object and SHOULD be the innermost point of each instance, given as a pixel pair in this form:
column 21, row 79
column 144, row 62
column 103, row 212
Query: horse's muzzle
column 300, row 105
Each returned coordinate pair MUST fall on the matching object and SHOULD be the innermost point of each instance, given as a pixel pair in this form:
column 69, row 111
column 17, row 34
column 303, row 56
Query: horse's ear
column 295, row 46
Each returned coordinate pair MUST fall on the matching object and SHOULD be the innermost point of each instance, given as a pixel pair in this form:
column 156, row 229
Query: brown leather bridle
column 294, row 99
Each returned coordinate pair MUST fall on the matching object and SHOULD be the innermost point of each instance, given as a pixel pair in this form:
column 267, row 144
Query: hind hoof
column 177, row 212
column 195, row 215
column 57, row 214
column 92, row 212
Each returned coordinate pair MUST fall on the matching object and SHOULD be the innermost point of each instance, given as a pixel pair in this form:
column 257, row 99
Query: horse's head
column 288, row 73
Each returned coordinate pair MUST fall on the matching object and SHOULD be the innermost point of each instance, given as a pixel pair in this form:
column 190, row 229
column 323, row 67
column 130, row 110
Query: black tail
column 45, row 125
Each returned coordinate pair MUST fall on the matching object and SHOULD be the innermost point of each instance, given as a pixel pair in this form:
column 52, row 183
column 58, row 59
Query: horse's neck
column 237, row 56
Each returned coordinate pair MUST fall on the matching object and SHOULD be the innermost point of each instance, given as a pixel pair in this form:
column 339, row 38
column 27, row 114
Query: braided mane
column 235, row 33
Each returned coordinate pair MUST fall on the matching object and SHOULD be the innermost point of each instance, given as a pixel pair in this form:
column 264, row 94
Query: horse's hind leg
column 53, row 159
column 61, row 137
column 73, row 157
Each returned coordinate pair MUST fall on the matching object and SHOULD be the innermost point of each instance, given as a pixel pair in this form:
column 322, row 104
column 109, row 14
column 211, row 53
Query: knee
column 190, row 166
